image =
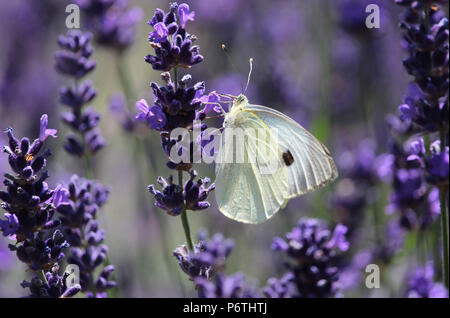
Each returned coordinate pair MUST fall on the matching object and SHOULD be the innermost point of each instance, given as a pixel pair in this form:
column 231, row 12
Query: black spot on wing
column 288, row 158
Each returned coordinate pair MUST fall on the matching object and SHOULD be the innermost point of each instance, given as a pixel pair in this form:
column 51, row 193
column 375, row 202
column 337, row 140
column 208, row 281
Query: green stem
column 44, row 279
column 444, row 221
column 125, row 80
column 444, row 229
column 426, row 143
column 88, row 165
column 184, row 218
column 435, row 237
column 175, row 77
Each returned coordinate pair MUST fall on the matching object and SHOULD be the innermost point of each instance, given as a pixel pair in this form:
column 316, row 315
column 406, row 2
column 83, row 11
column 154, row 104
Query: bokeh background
column 313, row 60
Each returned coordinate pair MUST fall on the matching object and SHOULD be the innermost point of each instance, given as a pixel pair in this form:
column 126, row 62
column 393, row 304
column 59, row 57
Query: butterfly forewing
column 309, row 163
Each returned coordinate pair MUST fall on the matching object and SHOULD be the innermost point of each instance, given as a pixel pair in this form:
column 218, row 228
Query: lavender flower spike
column 312, row 251
column 30, row 220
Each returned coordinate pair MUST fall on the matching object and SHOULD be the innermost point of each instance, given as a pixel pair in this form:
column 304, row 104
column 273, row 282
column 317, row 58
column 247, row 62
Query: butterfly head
column 241, row 100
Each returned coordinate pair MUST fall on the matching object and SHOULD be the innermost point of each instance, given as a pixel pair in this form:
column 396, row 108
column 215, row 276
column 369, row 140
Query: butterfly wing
column 244, row 192
column 309, row 163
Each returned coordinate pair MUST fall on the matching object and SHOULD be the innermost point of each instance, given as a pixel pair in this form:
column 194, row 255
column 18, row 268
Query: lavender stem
column 444, row 222
column 44, row 279
column 125, row 80
column 184, row 218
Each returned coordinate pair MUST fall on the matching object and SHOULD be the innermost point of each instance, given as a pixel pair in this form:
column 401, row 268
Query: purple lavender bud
column 171, row 198
column 197, row 192
column 160, row 34
column 94, row 235
column 154, row 116
column 72, row 291
column 233, row 286
column 27, row 172
column 60, row 196
column 76, row 97
column 44, row 132
column 422, row 285
column 208, row 257
column 280, row 288
column 95, row 140
column 185, row 15
column 187, row 264
column 312, row 248
column 10, row 225
column 74, row 146
column 438, row 168
column 24, row 145
column 38, row 164
column 13, row 141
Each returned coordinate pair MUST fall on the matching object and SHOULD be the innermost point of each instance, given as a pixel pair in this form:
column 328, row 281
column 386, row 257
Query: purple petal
column 157, row 119
column 60, row 196
column 160, row 34
column 44, row 132
column 142, row 106
column 338, row 240
column 185, row 15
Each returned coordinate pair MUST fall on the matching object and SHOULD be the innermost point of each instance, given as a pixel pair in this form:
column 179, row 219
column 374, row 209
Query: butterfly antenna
column 250, row 61
column 224, row 48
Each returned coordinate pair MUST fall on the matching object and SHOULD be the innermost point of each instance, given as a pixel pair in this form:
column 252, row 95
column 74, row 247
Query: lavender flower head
column 173, row 197
column 73, row 60
column 112, row 21
column 205, row 267
column 172, row 44
column 27, row 196
column 174, row 106
column 422, row 285
column 78, row 205
column 223, row 286
column 312, row 251
column 207, row 259
column 55, row 285
column 417, row 206
column 29, row 221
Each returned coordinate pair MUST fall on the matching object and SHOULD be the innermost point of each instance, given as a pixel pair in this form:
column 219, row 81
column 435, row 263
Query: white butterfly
column 247, row 195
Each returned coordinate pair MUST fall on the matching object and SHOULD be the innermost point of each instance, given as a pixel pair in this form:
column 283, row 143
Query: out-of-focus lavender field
column 315, row 61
